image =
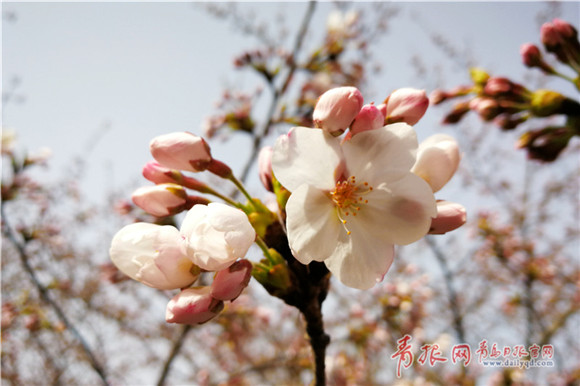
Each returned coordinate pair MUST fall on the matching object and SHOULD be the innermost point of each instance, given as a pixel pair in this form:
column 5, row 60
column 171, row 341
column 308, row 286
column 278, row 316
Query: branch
column 453, row 302
column 278, row 92
column 43, row 292
column 173, row 354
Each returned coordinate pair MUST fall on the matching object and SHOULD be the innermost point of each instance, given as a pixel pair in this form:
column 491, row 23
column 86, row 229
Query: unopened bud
column 161, row 200
column 229, row 283
column 265, row 167
column 455, row 115
column 487, row 108
column 546, row 102
column 336, row 109
column 478, row 76
column 406, row 105
column 193, row 306
column 437, row 160
column 450, row 216
column 531, row 55
column 158, row 174
column 182, row 151
column 369, row 118
column 545, row 144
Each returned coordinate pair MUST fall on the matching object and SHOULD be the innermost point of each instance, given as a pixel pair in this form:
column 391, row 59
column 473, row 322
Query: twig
column 453, row 302
column 43, row 292
column 173, row 354
column 278, row 92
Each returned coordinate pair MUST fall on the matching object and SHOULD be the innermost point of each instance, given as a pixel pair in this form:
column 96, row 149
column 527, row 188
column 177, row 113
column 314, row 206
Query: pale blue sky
column 145, row 69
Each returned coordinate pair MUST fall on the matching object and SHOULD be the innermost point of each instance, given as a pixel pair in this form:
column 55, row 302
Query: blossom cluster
column 346, row 199
column 212, row 238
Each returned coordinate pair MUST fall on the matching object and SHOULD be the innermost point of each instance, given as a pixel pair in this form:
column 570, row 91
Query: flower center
column 348, row 198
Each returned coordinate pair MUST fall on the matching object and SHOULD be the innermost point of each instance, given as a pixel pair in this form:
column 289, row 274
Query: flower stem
column 265, row 250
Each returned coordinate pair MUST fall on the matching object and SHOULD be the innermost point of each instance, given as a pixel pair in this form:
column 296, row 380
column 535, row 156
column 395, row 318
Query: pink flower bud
column 193, row 306
column 161, row 200
column 450, row 216
column 369, row 118
column 531, row 55
column 158, row 174
column 406, row 105
column 182, row 151
column 229, row 283
column 487, row 108
column 336, row 109
column 437, row 160
column 265, row 167
column 550, row 36
column 497, row 85
column 565, row 29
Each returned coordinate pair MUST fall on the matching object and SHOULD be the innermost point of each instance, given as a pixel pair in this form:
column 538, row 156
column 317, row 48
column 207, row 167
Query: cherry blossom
column 216, row 235
column 353, row 201
column 152, row 254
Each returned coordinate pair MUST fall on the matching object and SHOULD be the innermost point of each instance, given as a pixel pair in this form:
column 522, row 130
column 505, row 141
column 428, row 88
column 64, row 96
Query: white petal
column 306, row 156
column 360, row 260
column 312, row 224
column 403, row 209
column 381, row 155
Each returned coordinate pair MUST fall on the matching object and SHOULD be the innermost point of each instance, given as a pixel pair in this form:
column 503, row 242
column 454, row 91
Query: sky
column 99, row 80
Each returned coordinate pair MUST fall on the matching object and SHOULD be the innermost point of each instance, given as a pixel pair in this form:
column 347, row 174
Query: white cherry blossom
column 152, row 254
column 353, row 201
column 216, row 235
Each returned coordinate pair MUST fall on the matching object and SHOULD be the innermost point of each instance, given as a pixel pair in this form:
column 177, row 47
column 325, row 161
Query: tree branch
column 175, row 349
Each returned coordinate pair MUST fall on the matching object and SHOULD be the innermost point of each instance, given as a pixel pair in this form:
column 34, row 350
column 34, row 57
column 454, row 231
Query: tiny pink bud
column 531, row 55
column 550, row 36
column 265, row 167
column 158, row 174
column 450, row 216
column 406, row 105
column 498, row 85
column 229, row 283
column 369, row 118
column 487, row 108
column 182, row 151
column 161, row 200
column 336, row 109
column 193, row 306
column 565, row 29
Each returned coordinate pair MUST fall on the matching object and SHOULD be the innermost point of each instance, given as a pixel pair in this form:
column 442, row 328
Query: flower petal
column 381, row 155
column 306, row 156
column 360, row 260
column 312, row 224
column 402, row 210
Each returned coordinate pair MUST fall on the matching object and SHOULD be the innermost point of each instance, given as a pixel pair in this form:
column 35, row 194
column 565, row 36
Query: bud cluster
column 508, row 104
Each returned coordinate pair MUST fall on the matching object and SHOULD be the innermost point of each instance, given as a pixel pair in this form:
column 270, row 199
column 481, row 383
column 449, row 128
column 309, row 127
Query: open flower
column 152, row 254
column 352, row 202
column 216, row 235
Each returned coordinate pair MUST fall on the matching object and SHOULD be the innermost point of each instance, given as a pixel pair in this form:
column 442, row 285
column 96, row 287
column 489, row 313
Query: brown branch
column 173, row 353
column 278, row 92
